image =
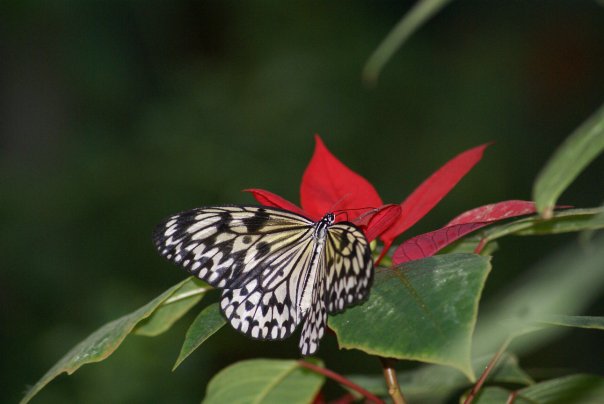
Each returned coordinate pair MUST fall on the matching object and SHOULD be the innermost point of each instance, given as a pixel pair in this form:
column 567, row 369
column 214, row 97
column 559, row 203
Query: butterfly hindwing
column 349, row 266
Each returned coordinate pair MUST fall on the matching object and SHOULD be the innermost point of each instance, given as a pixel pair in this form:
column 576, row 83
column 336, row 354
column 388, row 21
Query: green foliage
column 104, row 341
column 421, row 12
column 209, row 321
column 173, row 308
column 263, row 381
column 579, row 149
column 591, row 322
column 576, row 389
column 425, row 310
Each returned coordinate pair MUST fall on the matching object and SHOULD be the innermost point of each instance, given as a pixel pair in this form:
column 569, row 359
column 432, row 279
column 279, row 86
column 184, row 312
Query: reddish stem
column 486, row 372
column 480, row 246
column 512, row 397
column 340, row 379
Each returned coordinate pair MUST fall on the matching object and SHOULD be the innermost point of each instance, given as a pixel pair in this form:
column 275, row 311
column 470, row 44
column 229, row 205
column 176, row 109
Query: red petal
column 267, row 198
column 428, row 244
column 327, row 185
column 495, row 211
column 378, row 220
column 432, row 190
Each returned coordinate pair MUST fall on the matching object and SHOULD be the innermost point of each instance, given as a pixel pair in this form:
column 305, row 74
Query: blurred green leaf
column 565, row 283
column 577, row 151
column 419, row 14
column 172, row 309
column 424, row 310
column 497, row 395
column 264, row 381
column 571, row 220
column 596, row 323
column 101, row 343
column 436, row 384
column 574, row 389
column 203, row 327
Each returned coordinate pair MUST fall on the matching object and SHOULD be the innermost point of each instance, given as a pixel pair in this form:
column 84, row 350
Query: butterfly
column 276, row 268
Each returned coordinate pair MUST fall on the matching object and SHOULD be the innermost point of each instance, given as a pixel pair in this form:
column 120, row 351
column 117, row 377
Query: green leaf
column 264, row 381
column 435, row 384
column 101, row 343
column 203, row 327
column 425, row 310
column 594, row 323
column 571, row 220
column 421, row 12
column 172, row 309
column 577, row 151
column 574, row 389
column 565, row 283
column 497, row 395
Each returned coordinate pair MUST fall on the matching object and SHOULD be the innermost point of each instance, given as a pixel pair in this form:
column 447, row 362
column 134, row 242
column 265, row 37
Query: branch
column 340, row 379
column 487, row 371
column 392, row 381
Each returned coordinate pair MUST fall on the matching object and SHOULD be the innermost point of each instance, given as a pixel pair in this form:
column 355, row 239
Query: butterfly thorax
column 317, row 254
column 322, row 225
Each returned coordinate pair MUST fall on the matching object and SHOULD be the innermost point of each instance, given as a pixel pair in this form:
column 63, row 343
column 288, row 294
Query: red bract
column 428, row 244
column 328, row 185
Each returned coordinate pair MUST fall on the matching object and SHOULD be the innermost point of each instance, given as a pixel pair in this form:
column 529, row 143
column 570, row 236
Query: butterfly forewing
column 274, row 268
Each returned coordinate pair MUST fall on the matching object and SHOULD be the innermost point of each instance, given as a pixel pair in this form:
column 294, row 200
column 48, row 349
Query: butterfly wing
column 349, row 266
column 260, row 256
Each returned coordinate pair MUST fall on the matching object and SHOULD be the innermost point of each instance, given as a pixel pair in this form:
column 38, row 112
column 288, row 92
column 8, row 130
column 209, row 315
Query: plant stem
column 487, row 371
column 392, row 381
column 512, row 397
column 340, row 379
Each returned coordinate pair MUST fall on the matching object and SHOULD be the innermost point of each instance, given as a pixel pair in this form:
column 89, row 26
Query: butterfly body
column 277, row 269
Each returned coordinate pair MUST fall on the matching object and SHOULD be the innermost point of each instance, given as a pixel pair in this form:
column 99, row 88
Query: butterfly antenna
column 339, row 201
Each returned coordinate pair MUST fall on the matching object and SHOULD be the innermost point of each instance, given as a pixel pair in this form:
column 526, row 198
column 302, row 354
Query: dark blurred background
column 116, row 114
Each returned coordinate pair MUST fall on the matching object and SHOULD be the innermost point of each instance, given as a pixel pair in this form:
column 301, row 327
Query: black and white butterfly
column 276, row 268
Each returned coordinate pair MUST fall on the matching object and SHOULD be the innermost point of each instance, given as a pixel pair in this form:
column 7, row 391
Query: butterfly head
column 329, row 218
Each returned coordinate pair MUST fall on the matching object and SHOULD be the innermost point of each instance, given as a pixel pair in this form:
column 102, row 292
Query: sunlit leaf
column 577, row 151
column 425, row 310
column 208, row 322
column 172, row 309
column 101, row 343
column 263, row 381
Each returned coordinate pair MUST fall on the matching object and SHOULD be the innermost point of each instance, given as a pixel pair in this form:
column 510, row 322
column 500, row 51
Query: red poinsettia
column 328, row 185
